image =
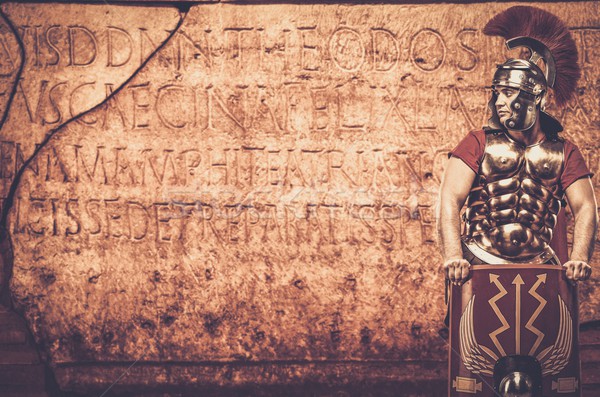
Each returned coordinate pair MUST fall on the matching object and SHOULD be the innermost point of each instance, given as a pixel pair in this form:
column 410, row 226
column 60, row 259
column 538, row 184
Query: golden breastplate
column 514, row 202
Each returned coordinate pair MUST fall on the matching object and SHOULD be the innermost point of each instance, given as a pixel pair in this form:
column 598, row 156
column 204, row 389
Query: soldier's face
column 505, row 97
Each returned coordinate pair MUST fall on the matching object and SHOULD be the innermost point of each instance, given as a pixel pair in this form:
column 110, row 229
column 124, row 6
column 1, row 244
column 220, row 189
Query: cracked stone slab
column 76, row 56
column 263, row 191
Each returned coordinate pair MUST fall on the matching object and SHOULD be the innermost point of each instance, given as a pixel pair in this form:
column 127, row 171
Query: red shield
column 508, row 310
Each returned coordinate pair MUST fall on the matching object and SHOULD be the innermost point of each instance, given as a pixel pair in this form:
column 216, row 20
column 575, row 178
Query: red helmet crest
column 547, row 28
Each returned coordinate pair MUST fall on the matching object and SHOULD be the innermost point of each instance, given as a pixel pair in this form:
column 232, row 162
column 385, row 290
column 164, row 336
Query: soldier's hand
column 578, row 270
column 456, row 270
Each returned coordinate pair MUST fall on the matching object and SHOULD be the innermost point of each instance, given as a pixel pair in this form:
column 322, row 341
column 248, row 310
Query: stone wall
column 247, row 197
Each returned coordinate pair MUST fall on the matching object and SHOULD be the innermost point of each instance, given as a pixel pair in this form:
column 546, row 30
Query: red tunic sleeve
column 470, row 149
column 574, row 167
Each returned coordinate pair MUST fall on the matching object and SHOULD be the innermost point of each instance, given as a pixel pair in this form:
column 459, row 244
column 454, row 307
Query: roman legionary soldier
column 515, row 173
column 514, row 176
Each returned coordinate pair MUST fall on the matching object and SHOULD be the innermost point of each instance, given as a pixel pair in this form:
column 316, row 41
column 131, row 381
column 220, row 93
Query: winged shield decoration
column 480, row 359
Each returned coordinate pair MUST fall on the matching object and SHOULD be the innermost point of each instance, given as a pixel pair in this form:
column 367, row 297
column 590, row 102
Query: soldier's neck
column 529, row 137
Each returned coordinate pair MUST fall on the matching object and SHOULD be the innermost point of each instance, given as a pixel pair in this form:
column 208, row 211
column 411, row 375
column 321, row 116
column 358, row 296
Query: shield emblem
column 505, row 310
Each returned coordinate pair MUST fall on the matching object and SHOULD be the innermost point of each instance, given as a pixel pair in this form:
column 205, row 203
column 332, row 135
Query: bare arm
column 582, row 201
column 456, row 184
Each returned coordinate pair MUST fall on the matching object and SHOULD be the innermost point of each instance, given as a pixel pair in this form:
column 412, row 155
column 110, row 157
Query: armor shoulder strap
column 490, row 130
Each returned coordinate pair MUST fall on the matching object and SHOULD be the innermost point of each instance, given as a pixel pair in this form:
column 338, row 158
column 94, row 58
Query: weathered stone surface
column 246, row 375
column 76, row 57
column 263, row 191
column 10, row 62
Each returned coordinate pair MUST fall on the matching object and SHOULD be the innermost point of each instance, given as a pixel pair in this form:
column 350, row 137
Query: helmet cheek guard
column 524, row 112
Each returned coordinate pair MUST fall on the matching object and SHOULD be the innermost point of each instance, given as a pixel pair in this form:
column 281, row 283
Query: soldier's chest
column 507, row 159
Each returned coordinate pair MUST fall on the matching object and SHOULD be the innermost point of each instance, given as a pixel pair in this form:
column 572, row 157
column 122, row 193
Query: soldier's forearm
column 584, row 234
column 448, row 227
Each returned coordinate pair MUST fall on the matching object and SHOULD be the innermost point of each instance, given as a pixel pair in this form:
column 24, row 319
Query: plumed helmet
column 547, row 39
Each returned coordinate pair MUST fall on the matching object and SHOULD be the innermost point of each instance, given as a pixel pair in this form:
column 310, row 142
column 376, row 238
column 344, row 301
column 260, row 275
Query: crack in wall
column 6, row 256
column 6, row 252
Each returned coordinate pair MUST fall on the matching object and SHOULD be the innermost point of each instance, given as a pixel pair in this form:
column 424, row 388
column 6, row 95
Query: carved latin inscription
column 263, row 189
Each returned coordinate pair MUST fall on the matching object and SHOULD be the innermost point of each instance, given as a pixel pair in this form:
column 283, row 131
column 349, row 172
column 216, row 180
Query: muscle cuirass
column 514, row 202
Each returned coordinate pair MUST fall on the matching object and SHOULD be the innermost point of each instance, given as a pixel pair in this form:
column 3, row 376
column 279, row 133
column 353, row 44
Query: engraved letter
column 140, row 104
column 427, row 50
column 472, row 55
column 121, row 59
column 91, row 44
column 385, row 50
column 169, row 109
column 309, row 53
